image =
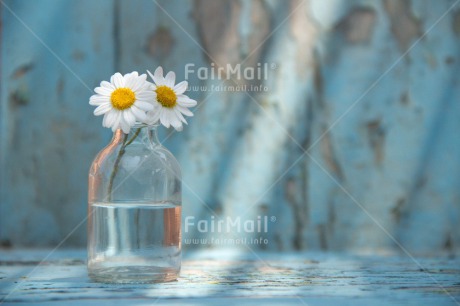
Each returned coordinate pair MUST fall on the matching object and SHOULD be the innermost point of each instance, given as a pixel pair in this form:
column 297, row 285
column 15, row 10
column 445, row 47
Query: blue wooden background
column 369, row 89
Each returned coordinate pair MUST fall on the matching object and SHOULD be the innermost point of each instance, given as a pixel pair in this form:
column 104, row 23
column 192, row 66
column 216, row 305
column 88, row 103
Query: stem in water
column 126, row 143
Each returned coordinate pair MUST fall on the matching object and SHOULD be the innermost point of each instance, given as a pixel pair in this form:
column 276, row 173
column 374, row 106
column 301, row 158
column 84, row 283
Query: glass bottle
column 134, row 210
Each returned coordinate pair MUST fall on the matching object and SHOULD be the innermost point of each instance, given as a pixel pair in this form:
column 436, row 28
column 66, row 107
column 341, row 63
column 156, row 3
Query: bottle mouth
column 138, row 125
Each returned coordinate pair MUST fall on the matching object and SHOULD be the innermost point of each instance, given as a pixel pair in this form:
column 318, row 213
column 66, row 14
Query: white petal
column 107, row 85
column 146, row 95
column 180, row 88
column 164, row 118
column 175, row 122
column 171, row 118
column 133, row 74
column 158, row 76
column 170, row 79
column 131, row 79
column 160, row 82
column 158, row 72
column 145, row 106
column 104, row 120
column 124, row 125
column 102, row 109
column 139, row 83
column 179, row 115
column 139, row 114
column 146, row 86
column 109, row 119
column 151, row 75
column 117, row 80
column 184, row 110
column 129, row 117
column 153, row 116
column 116, row 121
column 128, row 80
column 98, row 100
column 103, row 91
column 185, row 101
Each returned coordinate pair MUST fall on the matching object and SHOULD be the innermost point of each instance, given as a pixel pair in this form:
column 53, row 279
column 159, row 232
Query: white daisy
column 170, row 102
column 123, row 101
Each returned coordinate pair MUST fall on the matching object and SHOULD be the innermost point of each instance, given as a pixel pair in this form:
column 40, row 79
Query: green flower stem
column 134, row 137
column 126, row 143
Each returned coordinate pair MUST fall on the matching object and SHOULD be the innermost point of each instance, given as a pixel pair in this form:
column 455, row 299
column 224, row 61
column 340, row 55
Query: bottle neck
column 140, row 134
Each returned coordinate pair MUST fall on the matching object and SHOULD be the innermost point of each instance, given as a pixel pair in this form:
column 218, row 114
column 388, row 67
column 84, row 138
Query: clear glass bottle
column 134, row 210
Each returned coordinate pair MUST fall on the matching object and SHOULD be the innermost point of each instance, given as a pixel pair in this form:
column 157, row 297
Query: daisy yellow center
column 166, row 96
column 122, row 98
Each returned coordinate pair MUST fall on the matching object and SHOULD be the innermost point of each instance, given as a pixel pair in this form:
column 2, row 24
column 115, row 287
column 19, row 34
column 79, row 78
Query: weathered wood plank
column 391, row 152
column 394, row 152
column 230, row 277
column 53, row 53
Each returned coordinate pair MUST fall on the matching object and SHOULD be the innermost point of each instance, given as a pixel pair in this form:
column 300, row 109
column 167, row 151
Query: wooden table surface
column 232, row 277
